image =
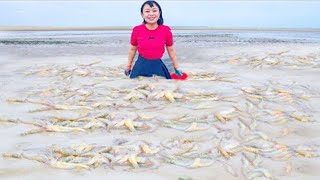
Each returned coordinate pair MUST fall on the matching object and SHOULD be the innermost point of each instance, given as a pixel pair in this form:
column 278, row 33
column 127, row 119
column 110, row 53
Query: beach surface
column 249, row 109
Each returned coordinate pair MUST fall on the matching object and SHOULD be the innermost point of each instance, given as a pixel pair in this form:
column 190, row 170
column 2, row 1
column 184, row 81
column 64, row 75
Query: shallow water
column 208, row 37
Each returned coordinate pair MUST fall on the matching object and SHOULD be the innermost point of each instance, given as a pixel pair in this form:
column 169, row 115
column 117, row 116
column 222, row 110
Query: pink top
column 151, row 42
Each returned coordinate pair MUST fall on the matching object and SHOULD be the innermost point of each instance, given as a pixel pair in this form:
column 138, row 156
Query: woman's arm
column 172, row 55
column 132, row 53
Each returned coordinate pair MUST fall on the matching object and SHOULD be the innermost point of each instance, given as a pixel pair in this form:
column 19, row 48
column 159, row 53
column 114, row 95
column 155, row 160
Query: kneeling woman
column 150, row 39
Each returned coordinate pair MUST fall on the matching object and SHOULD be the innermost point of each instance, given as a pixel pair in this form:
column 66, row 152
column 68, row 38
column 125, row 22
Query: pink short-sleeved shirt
column 151, row 43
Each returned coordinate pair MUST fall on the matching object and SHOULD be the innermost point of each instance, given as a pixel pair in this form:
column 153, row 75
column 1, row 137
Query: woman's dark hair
column 151, row 3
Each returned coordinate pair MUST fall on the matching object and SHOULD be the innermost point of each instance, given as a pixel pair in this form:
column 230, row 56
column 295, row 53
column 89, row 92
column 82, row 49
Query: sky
column 219, row 14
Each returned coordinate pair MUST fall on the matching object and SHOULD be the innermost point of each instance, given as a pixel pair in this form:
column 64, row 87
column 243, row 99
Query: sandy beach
column 249, row 109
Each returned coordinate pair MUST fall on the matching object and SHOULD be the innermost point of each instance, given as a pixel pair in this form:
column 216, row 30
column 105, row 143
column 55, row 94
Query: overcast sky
column 254, row 14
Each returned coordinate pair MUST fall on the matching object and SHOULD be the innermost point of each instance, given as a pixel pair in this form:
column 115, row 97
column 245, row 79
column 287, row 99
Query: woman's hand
column 175, row 65
column 127, row 72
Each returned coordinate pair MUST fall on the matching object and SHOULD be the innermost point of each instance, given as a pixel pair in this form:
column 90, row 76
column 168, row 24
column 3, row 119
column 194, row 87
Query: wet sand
column 267, row 68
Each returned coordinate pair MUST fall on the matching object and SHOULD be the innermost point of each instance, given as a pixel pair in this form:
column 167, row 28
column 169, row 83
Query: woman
column 150, row 39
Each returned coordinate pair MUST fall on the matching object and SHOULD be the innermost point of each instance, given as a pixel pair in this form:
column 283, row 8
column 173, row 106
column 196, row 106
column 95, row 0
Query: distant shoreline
column 128, row 28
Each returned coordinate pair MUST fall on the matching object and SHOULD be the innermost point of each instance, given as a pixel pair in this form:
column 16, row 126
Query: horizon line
column 124, row 28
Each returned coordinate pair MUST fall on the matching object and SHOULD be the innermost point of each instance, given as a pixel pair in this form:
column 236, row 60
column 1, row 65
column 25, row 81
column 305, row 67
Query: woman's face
column 150, row 14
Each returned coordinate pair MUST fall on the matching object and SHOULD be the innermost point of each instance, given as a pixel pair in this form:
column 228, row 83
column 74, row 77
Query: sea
column 48, row 43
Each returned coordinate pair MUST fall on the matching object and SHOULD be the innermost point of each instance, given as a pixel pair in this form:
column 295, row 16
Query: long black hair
column 151, row 3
